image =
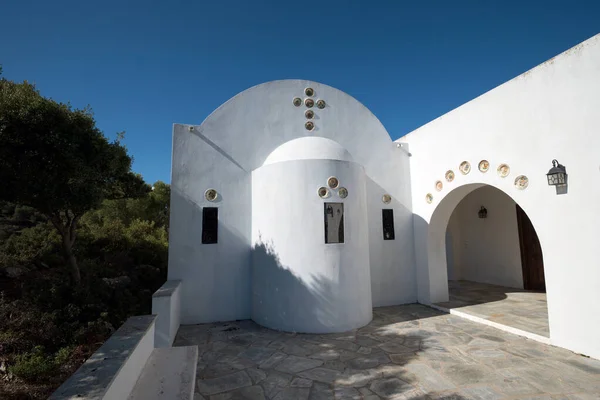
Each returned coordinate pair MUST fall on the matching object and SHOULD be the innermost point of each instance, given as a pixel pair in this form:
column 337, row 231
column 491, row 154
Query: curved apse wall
column 299, row 283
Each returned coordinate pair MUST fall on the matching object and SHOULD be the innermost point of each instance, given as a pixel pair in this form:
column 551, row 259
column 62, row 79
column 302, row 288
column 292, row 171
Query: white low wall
column 166, row 305
column 112, row 371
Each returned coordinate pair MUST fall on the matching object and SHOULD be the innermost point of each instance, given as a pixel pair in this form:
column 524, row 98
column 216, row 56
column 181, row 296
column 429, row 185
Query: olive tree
column 53, row 158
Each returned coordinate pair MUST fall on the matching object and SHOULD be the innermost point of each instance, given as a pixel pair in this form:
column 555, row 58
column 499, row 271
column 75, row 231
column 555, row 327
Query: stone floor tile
column 247, row 393
column 301, row 382
column 295, row 364
column 481, row 393
column 325, row 355
column 335, row 364
column 395, row 348
column 275, row 382
column 346, row 393
column 257, row 354
column 428, row 379
column 223, row 383
column 461, row 374
column 390, row 387
column 256, row 374
column 320, row 391
column 357, row 377
column 293, row 393
column 322, row 375
column 273, row 360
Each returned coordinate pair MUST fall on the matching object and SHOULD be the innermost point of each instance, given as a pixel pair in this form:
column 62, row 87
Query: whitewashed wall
column 486, row 250
column 548, row 112
column 299, row 283
column 236, row 139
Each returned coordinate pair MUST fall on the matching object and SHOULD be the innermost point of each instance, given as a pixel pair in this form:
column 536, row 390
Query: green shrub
column 33, row 366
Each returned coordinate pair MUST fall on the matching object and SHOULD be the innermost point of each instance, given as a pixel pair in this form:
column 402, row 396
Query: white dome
column 309, row 148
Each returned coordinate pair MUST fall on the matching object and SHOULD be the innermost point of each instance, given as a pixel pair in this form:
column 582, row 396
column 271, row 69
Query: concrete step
column 169, row 373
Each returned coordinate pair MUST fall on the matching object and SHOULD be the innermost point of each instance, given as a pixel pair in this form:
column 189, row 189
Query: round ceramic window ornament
column 429, row 198
column 310, row 92
column 449, row 175
column 297, row 101
column 439, row 186
column 521, row 182
column 503, row 170
column 321, row 104
column 333, row 182
column 343, row 192
column 309, row 125
column 210, row 194
column 465, row 167
column 484, row 166
column 323, row 192
column 386, row 198
column 309, row 114
column 309, row 103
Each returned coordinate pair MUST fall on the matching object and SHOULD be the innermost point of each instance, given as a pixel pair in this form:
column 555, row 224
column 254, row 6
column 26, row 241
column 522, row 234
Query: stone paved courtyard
column 406, row 352
column 522, row 309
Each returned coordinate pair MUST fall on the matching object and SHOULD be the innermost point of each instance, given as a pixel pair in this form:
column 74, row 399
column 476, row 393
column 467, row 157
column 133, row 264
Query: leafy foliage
column 53, row 158
column 62, row 179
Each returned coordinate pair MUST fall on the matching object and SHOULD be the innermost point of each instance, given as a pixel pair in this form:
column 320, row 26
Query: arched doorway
column 485, row 245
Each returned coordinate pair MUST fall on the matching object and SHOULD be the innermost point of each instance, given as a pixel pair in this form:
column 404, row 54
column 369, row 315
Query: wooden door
column 531, row 254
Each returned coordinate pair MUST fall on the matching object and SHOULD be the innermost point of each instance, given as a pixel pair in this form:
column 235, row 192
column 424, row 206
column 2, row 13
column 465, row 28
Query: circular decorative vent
column 210, row 194
column 309, row 103
column 439, row 186
column 449, row 175
column 309, row 114
column 297, row 101
column 333, row 182
column 321, row 104
column 503, row 170
column 309, row 125
column 309, row 92
column 386, row 198
column 484, row 166
column 323, row 192
column 465, row 167
column 521, row 182
column 429, row 198
column 343, row 192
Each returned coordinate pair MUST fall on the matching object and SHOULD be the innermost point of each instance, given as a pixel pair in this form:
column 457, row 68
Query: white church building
column 292, row 206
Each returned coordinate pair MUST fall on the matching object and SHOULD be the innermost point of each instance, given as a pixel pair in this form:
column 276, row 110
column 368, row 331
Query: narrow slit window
column 210, row 225
column 388, row 224
column 334, row 222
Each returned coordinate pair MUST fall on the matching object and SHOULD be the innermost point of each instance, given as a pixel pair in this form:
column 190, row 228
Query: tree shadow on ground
column 385, row 358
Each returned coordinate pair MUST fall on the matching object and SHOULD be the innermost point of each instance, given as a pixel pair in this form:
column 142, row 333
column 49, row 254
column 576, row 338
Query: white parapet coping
column 166, row 305
column 506, row 328
column 112, row 371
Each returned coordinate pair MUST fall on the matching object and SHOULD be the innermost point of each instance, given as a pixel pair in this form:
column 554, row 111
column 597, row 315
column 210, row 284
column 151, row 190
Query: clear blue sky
column 144, row 65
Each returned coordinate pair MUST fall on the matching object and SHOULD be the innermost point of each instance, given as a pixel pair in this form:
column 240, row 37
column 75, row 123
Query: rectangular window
column 210, row 225
column 388, row 224
column 334, row 222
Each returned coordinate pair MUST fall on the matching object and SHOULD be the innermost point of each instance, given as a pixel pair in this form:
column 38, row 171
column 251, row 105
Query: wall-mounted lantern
column 557, row 176
column 482, row 212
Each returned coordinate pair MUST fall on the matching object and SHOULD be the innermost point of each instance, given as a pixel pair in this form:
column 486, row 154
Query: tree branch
column 56, row 221
column 73, row 229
